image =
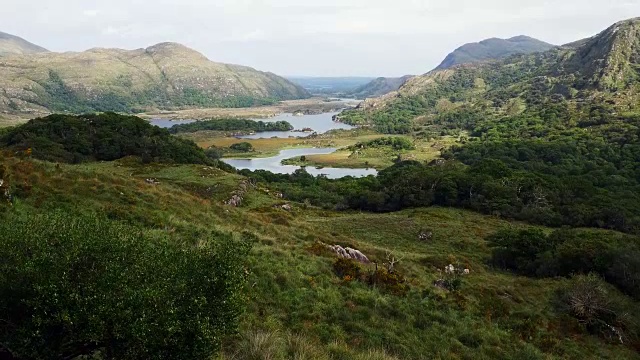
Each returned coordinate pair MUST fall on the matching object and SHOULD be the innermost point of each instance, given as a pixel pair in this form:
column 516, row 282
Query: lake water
column 274, row 164
column 166, row 123
column 320, row 123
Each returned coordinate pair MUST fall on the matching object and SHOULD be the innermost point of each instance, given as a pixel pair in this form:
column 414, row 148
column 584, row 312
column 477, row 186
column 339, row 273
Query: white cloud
column 90, row 13
column 349, row 37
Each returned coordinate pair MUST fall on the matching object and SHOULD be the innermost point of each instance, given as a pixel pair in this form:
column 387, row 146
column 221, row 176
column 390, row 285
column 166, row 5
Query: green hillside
column 493, row 49
column 518, row 239
column 378, row 87
column 166, row 75
column 563, row 124
column 171, row 258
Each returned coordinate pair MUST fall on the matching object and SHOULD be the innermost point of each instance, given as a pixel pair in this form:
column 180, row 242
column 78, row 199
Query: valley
column 487, row 209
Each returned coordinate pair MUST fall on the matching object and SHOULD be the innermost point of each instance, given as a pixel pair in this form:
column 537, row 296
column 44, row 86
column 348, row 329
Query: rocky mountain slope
column 166, row 75
column 602, row 70
column 492, row 49
column 11, row 44
column 378, row 87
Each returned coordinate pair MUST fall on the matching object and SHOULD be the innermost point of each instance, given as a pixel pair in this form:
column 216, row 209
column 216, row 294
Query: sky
column 309, row 37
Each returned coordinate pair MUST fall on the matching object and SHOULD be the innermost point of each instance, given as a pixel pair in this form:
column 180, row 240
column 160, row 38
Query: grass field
column 298, row 308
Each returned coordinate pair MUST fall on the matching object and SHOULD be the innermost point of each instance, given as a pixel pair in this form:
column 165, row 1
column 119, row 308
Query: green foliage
column 347, row 269
column 552, row 141
column 242, row 147
column 391, row 282
column 493, row 49
column 77, row 284
column 395, row 142
column 231, row 125
column 105, row 136
column 566, row 252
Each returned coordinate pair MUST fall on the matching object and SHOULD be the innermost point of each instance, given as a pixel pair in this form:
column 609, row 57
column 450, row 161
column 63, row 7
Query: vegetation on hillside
column 76, row 284
column 296, row 304
column 553, row 136
column 231, row 125
column 378, row 87
column 105, row 137
column 428, row 282
column 395, row 142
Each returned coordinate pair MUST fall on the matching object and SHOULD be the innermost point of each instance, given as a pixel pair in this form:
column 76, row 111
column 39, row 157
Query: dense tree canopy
column 232, row 125
column 105, row 136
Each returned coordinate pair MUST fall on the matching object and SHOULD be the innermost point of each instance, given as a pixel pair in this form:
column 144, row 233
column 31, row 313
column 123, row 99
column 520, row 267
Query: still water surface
column 274, row 164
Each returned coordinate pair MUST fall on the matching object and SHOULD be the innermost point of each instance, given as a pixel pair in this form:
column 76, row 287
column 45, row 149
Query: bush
column 75, row 285
column 242, row 147
column 589, row 300
column 615, row 257
column 391, row 282
column 519, row 250
column 347, row 269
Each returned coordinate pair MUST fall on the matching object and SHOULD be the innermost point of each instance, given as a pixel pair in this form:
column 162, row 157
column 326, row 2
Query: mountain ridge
column 11, row 44
column 164, row 75
column 493, row 49
column 379, row 86
column 603, row 69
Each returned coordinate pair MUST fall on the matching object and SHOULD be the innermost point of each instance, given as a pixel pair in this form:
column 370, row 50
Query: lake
column 274, row 164
column 166, row 123
column 320, row 123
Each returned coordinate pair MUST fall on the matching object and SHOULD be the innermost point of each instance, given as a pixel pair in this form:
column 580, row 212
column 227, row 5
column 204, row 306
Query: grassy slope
column 298, row 307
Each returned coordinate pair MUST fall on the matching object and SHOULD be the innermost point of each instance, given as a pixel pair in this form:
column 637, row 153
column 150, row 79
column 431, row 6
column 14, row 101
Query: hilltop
column 603, row 68
column 378, row 87
column 11, row 44
column 493, row 49
column 166, row 75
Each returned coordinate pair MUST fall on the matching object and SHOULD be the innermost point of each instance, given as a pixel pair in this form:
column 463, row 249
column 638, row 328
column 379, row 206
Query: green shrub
column 395, row 142
column 391, row 282
column 75, row 285
column 615, row 257
column 347, row 269
column 242, row 147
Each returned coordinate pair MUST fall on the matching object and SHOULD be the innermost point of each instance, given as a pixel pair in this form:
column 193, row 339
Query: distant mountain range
column 493, row 49
column 10, row 44
column 332, row 86
column 166, row 75
column 378, row 87
column 490, row 49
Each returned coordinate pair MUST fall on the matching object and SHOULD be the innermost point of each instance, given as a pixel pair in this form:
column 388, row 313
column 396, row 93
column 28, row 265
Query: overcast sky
column 309, row 37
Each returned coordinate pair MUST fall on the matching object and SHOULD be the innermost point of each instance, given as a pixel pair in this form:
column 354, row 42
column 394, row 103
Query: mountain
column 329, row 85
column 603, row 69
column 492, row 49
column 166, row 75
column 11, row 44
column 378, row 87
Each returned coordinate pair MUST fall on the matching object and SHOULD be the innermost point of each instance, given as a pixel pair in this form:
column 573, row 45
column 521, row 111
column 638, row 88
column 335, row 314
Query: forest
column 243, row 125
column 99, row 137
